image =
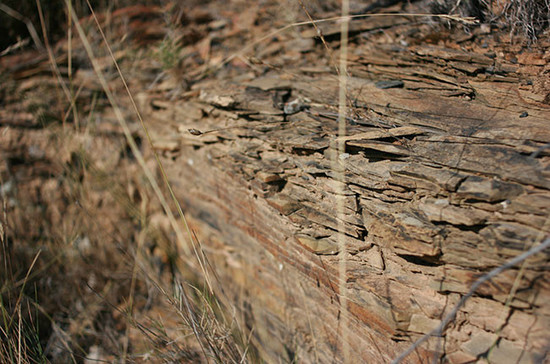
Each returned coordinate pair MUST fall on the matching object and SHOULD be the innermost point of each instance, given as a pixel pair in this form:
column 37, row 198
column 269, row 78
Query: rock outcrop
column 446, row 178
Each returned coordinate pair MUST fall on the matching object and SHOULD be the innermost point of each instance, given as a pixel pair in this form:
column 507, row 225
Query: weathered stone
column 318, row 246
column 486, row 314
column 268, row 177
column 440, row 210
column 460, row 357
column 485, row 189
column 508, row 352
column 283, row 204
column 417, row 176
column 522, row 326
column 479, row 343
column 422, row 324
column 217, row 100
column 374, row 258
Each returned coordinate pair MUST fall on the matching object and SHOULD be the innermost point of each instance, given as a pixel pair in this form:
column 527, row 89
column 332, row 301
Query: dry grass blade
column 18, row 45
column 51, row 55
column 319, row 33
column 30, row 27
column 19, row 340
column 340, row 176
column 456, row 18
column 18, row 303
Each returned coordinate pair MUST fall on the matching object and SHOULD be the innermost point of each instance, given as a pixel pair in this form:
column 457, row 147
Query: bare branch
column 451, row 316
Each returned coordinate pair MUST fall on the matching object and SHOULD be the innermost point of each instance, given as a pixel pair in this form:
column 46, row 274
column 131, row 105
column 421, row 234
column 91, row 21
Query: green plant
column 168, row 53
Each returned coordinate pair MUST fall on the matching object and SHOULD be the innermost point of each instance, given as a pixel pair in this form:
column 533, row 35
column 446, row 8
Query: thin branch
column 30, row 27
column 451, row 316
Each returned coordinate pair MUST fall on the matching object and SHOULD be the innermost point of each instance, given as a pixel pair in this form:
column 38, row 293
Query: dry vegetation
column 92, row 269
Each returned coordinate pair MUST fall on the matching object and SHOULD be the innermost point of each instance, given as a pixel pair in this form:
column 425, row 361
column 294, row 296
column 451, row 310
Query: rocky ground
column 447, row 177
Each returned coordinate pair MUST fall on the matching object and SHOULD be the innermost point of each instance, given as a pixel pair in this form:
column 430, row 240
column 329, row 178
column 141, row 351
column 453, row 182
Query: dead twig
column 438, row 331
column 32, row 30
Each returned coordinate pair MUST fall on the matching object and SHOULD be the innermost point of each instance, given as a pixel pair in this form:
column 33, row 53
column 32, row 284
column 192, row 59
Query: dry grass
column 525, row 18
column 339, row 169
column 105, row 278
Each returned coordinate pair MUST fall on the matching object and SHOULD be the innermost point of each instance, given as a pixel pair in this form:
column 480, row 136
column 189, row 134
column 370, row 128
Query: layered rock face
column 445, row 179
